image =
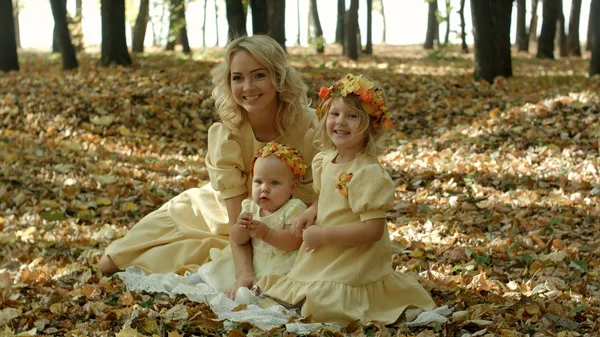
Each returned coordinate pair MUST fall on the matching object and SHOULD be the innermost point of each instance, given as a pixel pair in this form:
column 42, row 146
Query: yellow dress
column 179, row 235
column 343, row 284
column 219, row 273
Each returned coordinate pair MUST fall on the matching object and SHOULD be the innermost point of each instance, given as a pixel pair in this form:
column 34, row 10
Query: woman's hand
column 247, row 280
column 258, row 230
column 313, row 237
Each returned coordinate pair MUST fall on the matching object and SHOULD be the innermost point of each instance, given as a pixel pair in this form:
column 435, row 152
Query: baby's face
column 273, row 183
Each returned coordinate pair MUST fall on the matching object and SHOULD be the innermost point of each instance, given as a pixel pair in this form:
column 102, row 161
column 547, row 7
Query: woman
column 259, row 98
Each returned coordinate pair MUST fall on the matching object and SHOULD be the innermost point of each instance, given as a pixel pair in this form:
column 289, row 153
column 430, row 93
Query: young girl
column 260, row 98
column 265, row 219
column 344, row 271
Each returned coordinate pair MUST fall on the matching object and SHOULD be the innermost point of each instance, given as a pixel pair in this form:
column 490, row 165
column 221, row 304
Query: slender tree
column 433, row 26
column 447, row 19
column 59, row 12
column 298, row 18
column 573, row 46
column 594, row 25
column 351, row 31
column 77, row 29
column 522, row 36
column 114, row 45
column 204, row 24
column 533, row 23
column 17, row 9
column 56, row 33
column 236, row 18
column 561, row 36
column 216, row 22
column 177, row 27
column 384, row 30
column 549, row 18
column 8, row 44
column 369, row 46
column 589, row 31
column 276, row 12
column 491, row 31
column 139, row 30
column 317, row 36
column 463, row 34
column 260, row 22
column 339, row 28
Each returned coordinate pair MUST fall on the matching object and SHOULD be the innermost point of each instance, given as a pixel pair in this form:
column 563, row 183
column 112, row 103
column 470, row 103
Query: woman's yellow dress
column 179, row 235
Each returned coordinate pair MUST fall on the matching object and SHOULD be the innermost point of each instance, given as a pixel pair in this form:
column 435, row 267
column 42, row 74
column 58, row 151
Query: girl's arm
column 366, row 232
column 282, row 239
column 305, row 220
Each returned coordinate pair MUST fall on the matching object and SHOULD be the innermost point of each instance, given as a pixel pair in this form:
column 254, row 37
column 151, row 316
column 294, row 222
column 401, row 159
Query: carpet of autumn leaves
column 498, row 189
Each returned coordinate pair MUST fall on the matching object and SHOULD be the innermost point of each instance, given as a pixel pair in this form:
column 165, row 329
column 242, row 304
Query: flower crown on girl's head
column 287, row 154
column 372, row 99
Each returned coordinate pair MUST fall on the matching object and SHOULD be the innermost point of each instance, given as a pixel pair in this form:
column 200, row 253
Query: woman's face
column 252, row 86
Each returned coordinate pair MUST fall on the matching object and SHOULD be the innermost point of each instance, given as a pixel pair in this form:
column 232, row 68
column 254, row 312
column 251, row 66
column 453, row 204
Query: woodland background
column 496, row 170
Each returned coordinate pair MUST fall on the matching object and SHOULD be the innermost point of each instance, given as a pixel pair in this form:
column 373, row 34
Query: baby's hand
column 258, row 230
column 313, row 237
column 301, row 223
column 244, row 220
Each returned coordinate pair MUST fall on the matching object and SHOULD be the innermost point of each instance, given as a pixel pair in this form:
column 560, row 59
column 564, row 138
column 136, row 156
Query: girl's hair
column 375, row 136
column 287, row 81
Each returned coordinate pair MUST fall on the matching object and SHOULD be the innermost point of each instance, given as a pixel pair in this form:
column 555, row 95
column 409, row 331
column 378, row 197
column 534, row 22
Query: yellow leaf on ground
column 129, row 332
column 103, row 201
column 130, row 207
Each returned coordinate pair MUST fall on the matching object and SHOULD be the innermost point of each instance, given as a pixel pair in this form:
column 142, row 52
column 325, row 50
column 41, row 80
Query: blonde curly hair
column 287, row 81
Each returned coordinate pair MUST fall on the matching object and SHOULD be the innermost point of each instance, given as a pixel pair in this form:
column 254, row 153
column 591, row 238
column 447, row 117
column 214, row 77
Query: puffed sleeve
column 317, row 168
column 371, row 192
column 226, row 169
column 294, row 208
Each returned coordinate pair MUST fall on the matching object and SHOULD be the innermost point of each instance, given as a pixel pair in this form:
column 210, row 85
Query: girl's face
column 343, row 128
column 251, row 84
column 273, row 183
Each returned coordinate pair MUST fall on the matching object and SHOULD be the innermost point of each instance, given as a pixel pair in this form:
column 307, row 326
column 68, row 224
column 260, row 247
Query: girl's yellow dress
column 179, row 235
column 343, row 284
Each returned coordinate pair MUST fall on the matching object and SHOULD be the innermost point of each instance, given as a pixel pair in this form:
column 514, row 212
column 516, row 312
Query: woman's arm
column 305, row 220
column 242, row 253
column 366, row 232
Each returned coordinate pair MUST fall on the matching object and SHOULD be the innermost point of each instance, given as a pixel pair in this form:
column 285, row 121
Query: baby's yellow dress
column 342, row 284
column 219, row 273
column 179, row 235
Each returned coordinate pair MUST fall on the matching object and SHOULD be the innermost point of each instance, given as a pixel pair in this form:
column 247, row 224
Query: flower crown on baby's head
column 372, row 99
column 287, row 154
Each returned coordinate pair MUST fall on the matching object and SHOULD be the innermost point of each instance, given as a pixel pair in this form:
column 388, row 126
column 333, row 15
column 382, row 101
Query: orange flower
column 324, row 92
column 342, row 183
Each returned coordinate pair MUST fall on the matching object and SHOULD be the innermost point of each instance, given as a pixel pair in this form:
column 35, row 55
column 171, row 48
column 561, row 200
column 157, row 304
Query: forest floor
column 498, row 188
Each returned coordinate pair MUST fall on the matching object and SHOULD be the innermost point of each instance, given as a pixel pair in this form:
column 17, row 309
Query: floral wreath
column 287, row 154
column 372, row 99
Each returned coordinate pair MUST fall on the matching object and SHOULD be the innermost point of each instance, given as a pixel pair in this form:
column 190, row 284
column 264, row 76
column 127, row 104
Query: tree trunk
column 139, row 30
column 183, row 39
column 298, row 18
column 8, row 44
column 491, row 30
column 382, row 12
column 339, row 28
column 260, row 22
column 594, row 29
column 276, row 12
column 432, row 25
column 369, row 47
column 447, row 36
column 463, row 33
column 549, row 18
column 59, row 12
column 351, row 31
column 236, row 18
column 216, row 22
column 588, row 43
column 56, row 34
column 318, row 39
column 533, row 22
column 204, row 25
column 17, row 25
column 561, row 37
column 114, row 45
column 77, row 30
column 522, row 36
column 573, row 46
